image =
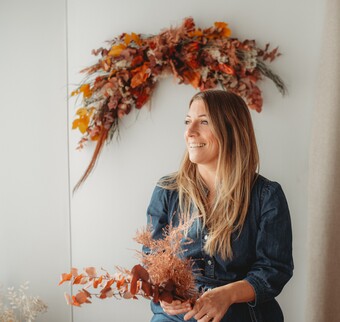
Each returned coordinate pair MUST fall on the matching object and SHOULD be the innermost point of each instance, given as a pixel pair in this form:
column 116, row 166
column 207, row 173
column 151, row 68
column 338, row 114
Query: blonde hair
column 238, row 162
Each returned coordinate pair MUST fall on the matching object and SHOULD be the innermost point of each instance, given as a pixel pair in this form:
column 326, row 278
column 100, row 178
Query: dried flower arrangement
column 127, row 73
column 164, row 274
column 21, row 306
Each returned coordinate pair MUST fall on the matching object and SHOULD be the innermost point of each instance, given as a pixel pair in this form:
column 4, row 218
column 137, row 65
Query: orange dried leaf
column 133, row 37
column 107, row 286
column 74, row 301
column 136, row 39
column 81, row 123
column 141, row 74
column 91, row 272
column 116, row 50
column 103, row 296
column 192, row 78
column 86, row 90
column 87, row 293
column 226, row 69
column 81, row 298
column 225, row 31
column 78, row 279
column 82, row 111
column 97, row 281
column 127, row 295
column 120, row 283
column 65, row 277
column 196, row 33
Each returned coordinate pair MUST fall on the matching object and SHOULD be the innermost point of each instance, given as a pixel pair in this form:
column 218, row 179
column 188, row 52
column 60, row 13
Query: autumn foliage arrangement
column 163, row 274
column 128, row 71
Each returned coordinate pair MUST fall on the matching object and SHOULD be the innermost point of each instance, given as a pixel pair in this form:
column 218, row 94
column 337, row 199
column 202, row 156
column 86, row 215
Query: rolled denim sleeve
column 273, row 266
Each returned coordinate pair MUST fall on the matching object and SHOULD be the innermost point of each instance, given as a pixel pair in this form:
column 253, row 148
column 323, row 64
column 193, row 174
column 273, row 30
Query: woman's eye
column 186, row 122
column 205, row 122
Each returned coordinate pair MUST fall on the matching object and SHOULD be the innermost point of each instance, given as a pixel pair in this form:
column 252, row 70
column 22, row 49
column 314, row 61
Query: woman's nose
column 191, row 130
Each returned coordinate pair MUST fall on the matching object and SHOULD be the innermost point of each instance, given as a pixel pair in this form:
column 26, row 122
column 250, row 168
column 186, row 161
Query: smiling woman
column 241, row 237
column 201, row 142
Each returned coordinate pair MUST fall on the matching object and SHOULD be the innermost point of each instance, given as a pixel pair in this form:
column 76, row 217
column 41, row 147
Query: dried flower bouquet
column 164, row 273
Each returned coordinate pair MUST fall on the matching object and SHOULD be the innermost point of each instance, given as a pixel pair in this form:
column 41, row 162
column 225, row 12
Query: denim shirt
column 262, row 252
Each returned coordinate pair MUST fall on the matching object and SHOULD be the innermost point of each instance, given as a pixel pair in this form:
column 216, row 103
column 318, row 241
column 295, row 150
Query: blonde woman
column 242, row 238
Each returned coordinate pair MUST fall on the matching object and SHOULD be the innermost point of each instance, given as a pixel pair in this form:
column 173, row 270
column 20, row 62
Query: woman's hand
column 175, row 307
column 214, row 304
column 211, row 306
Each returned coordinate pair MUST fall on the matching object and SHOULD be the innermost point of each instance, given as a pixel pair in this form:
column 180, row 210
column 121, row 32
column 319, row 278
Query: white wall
column 34, row 198
column 107, row 210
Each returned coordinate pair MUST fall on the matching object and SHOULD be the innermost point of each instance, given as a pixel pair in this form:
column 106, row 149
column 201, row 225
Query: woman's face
column 201, row 143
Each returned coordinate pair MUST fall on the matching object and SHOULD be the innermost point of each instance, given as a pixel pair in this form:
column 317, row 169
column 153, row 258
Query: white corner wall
column 43, row 40
column 34, row 206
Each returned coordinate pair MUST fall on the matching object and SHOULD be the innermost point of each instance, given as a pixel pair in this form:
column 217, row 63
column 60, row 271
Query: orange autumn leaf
column 107, row 286
column 81, row 298
column 137, row 60
column 85, row 89
column 81, row 123
column 95, row 137
column 82, row 111
column 106, row 64
column 196, row 33
column 87, row 293
column 74, row 301
column 116, row 50
column 107, row 290
column 133, row 37
column 120, row 283
column 65, row 277
column 141, row 74
column 78, row 279
column 91, row 272
column 97, row 281
column 227, row 69
column 192, row 78
column 225, row 31
column 74, row 272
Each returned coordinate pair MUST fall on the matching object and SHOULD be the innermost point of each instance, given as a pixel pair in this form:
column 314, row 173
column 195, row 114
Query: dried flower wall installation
column 163, row 274
column 127, row 73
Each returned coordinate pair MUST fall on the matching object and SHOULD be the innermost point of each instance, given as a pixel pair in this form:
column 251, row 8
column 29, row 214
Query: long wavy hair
column 238, row 163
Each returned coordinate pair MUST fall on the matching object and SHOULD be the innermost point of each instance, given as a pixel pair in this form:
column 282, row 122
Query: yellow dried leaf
column 86, row 90
column 116, row 50
column 225, row 31
column 81, row 111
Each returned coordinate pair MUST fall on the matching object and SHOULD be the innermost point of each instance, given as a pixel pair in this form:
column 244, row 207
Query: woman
column 242, row 238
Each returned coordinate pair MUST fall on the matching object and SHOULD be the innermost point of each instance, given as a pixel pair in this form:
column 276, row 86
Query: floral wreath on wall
column 127, row 73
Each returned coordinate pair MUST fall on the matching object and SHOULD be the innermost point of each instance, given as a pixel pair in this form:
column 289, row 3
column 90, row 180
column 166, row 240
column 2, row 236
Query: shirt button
column 209, row 262
column 205, row 237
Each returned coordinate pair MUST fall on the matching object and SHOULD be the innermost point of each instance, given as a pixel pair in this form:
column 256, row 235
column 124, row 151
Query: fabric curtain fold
column 323, row 276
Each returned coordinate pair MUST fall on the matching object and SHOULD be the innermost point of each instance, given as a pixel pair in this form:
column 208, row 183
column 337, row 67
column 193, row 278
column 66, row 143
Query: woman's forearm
column 240, row 291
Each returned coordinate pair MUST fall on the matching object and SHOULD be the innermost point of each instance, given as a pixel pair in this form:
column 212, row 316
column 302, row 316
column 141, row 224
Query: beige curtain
column 323, row 276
